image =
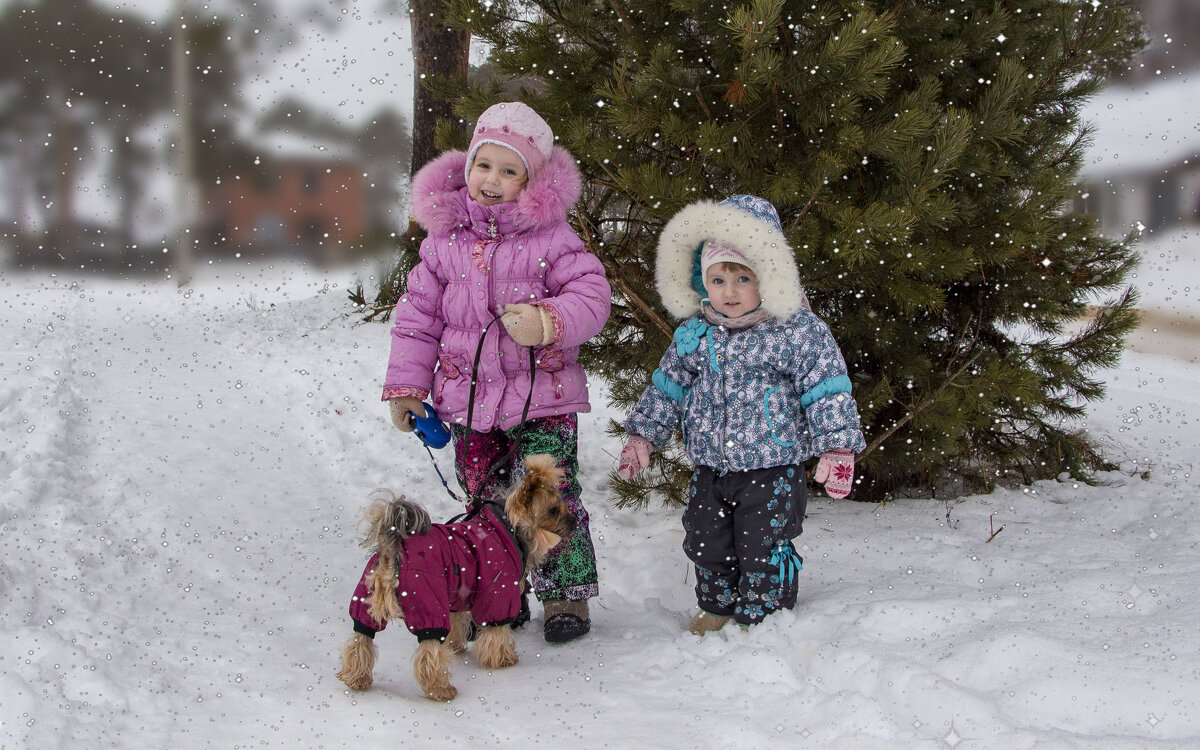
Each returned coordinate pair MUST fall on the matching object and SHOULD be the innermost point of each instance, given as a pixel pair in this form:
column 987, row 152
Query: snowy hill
column 182, row 472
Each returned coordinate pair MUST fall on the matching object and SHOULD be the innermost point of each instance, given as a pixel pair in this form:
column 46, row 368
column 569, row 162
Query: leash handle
column 429, row 429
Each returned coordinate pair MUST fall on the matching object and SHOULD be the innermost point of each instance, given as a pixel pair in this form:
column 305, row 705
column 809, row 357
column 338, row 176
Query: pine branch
column 920, row 407
column 617, row 278
column 622, row 14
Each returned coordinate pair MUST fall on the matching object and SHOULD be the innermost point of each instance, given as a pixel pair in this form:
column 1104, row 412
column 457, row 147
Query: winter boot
column 566, row 620
column 704, row 622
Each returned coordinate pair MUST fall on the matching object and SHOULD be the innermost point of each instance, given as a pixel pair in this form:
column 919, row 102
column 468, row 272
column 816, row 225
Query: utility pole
column 185, row 182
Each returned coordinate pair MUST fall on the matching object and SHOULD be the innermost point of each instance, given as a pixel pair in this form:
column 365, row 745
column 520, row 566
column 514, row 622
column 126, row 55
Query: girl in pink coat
column 499, row 246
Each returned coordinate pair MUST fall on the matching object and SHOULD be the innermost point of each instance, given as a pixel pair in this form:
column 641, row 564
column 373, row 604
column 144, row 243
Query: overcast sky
column 354, row 64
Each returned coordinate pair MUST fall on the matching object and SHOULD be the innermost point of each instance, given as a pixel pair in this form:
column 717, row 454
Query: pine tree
column 922, row 155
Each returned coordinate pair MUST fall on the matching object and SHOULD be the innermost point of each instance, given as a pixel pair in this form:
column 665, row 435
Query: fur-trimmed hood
column 441, row 203
column 677, row 271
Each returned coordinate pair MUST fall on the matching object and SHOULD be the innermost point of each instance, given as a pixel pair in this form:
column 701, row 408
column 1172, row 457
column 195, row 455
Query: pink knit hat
column 515, row 126
column 718, row 252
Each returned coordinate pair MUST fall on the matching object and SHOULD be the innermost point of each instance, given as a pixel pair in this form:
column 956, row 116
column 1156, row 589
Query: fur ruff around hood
column 677, row 271
column 440, row 200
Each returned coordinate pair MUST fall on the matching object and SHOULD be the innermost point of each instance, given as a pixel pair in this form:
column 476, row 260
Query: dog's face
column 535, row 508
column 542, row 512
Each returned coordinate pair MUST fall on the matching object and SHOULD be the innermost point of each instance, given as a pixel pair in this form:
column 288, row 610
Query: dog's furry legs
column 460, row 630
column 496, row 647
column 431, row 668
column 358, row 662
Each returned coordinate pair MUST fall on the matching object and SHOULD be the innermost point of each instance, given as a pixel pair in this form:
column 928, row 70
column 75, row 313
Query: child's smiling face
column 732, row 289
column 497, row 175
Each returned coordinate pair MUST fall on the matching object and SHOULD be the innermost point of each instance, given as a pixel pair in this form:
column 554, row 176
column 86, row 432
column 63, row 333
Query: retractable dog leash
column 431, row 431
column 434, row 434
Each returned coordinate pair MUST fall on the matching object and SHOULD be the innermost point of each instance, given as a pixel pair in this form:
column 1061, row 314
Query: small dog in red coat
column 439, row 578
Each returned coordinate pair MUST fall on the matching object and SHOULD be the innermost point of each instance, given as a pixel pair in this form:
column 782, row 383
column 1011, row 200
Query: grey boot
column 566, row 620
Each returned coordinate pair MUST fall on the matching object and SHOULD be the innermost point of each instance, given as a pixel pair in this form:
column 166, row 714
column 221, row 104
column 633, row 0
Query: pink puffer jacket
column 476, row 260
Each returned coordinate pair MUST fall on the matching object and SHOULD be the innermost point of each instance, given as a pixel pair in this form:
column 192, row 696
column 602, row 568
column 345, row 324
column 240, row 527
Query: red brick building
column 303, row 206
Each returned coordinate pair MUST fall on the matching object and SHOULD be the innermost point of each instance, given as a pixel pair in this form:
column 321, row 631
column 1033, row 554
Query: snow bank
column 181, row 477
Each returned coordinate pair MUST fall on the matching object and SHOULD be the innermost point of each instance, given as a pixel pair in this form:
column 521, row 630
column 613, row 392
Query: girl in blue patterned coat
column 759, row 386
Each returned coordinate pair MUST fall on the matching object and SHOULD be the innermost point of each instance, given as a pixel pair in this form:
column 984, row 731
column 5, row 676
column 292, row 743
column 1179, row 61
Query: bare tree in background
column 437, row 51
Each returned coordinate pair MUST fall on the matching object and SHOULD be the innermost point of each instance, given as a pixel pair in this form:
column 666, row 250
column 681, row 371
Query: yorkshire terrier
column 443, row 578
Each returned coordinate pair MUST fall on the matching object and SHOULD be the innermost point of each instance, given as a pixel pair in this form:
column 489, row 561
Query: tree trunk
column 437, row 51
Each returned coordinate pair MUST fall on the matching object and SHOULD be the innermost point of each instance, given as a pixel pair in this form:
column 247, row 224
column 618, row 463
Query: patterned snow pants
column 738, row 531
column 569, row 571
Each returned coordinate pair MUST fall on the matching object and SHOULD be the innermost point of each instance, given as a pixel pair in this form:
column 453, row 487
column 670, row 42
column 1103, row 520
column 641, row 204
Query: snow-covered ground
column 181, row 473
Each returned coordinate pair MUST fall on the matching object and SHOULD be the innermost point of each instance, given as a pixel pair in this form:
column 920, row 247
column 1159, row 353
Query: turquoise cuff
column 673, row 390
column 840, row 384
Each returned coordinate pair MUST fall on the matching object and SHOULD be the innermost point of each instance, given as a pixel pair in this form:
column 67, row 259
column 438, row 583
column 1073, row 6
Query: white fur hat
column 747, row 224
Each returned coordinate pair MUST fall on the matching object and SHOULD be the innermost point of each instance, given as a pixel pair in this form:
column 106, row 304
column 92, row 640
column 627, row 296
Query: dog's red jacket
column 472, row 565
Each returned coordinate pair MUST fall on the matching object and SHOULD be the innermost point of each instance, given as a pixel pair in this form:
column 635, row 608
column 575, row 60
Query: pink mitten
column 635, row 457
column 835, row 470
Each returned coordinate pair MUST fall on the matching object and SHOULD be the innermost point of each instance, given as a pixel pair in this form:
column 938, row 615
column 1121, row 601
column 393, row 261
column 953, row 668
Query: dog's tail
column 389, row 521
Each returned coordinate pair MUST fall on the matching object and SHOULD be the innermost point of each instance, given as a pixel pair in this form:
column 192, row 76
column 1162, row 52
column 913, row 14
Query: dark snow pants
column 738, row 531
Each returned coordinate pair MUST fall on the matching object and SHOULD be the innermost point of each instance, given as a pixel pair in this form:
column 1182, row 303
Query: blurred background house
column 296, row 142
column 300, row 134
column 313, row 189
column 290, row 205
column 1143, row 167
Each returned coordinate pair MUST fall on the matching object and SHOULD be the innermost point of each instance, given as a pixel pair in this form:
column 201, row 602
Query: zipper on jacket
column 720, row 359
column 489, row 282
